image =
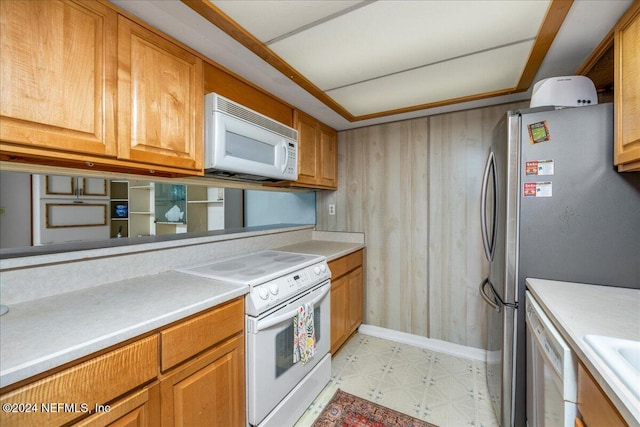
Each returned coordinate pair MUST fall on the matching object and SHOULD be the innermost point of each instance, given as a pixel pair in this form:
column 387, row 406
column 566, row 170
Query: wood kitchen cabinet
column 160, row 99
column 244, row 93
column 72, row 72
column 339, row 312
column 356, row 300
column 208, row 390
column 94, row 383
column 627, row 90
column 317, row 153
column 594, row 406
column 204, row 375
column 139, row 409
column 346, row 297
column 58, row 73
column 191, row 372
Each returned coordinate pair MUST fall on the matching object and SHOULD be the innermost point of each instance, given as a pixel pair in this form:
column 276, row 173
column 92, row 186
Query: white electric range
column 279, row 389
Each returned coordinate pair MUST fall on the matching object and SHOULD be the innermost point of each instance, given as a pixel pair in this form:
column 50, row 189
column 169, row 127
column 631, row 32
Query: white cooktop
column 256, row 268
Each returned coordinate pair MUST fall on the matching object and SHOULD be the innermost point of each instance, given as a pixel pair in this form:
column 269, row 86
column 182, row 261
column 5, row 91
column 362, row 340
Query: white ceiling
column 378, row 56
column 389, row 54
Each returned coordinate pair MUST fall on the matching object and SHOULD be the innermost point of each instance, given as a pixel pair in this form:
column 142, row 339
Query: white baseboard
column 440, row 346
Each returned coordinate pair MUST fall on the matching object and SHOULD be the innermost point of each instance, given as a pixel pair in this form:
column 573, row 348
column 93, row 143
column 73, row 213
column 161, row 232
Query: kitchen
column 368, row 202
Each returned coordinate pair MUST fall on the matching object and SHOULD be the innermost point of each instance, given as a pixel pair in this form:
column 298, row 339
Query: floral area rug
column 347, row 410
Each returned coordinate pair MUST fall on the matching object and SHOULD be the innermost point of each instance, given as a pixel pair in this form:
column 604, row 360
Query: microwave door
column 242, row 148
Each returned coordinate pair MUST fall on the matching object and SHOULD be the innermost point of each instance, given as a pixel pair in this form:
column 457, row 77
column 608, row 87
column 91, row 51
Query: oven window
column 284, row 344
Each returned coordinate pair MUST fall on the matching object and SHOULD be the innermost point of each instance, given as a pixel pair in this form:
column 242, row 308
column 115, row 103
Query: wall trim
column 440, row 346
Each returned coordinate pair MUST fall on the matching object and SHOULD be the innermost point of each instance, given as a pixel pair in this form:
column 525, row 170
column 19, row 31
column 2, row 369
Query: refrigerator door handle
column 493, row 301
column 489, row 245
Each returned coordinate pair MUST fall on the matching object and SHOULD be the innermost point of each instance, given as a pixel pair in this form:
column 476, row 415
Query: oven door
column 271, row 373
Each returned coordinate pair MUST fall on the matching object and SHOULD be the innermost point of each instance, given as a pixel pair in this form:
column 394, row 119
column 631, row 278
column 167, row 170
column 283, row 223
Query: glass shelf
column 204, row 201
column 170, row 200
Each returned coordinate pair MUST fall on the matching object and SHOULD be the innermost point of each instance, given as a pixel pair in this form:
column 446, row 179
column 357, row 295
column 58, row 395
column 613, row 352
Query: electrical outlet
column 332, row 209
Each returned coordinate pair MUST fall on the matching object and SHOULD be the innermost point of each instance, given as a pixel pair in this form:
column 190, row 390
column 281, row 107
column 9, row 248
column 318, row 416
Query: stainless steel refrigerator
column 553, row 207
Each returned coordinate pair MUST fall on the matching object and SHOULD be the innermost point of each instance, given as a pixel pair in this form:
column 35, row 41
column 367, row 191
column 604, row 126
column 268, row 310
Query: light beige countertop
column 44, row 333
column 577, row 310
column 331, row 250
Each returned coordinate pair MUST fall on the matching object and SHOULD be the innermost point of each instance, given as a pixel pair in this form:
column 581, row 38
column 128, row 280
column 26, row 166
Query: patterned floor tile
column 444, row 390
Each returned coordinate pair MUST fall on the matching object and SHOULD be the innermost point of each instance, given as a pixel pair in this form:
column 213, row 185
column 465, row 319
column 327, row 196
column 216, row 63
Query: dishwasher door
column 551, row 372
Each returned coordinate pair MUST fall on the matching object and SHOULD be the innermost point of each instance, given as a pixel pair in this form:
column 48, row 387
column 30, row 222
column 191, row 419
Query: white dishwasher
column 552, row 385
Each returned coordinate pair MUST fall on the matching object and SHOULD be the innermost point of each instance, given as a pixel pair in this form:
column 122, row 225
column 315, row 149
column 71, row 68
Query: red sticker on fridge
column 537, row 189
column 539, row 167
column 529, row 189
column 531, row 168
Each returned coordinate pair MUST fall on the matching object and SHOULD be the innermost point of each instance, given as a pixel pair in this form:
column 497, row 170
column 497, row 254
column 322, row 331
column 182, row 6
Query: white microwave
column 243, row 144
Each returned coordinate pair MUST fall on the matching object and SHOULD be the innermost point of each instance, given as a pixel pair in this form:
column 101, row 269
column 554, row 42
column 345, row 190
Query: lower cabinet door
column 207, row 391
column 356, row 300
column 594, row 406
column 139, row 409
column 339, row 314
column 66, row 396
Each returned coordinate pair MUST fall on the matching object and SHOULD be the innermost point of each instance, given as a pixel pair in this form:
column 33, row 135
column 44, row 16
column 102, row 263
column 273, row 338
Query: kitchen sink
column 621, row 356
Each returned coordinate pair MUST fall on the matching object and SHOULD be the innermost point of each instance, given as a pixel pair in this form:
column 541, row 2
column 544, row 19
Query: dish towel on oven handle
column 304, row 334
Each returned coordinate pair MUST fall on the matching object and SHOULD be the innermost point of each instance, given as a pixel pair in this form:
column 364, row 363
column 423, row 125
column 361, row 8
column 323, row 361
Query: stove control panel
column 276, row 291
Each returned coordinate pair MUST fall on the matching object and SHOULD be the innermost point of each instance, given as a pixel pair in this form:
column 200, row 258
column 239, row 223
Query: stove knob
column 273, row 288
column 264, row 294
column 323, row 268
column 316, row 270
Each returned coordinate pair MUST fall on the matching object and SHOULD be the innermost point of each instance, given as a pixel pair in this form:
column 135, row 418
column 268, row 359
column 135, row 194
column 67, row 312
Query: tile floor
column 444, row 390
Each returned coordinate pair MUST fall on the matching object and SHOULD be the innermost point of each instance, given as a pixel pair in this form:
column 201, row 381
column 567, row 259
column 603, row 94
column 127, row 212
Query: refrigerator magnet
column 539, row 167
column 539, row 132
column 537, row 189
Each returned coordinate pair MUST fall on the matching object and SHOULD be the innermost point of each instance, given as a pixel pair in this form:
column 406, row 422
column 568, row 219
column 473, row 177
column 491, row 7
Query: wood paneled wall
column 413, row 188
column 384, row 182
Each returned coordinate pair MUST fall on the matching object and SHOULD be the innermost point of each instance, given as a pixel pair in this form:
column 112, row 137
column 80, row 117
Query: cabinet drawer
column 81, row 387
column 189, row 338
column 341, row 266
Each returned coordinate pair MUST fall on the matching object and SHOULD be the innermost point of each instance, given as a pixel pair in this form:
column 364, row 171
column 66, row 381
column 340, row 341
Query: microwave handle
column 285, row 153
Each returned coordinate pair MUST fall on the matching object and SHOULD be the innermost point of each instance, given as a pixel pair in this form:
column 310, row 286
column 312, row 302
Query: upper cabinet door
column 160, row 100
column 328, row 157
column 307, row 148
column 58, row 74
column 627, row 90
column 317, row 153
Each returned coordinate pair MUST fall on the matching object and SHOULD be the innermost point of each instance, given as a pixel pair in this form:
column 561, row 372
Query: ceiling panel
column 390, row 36
column 269, row 19
column 462, row 77
column 200, row 25
column 342, row 52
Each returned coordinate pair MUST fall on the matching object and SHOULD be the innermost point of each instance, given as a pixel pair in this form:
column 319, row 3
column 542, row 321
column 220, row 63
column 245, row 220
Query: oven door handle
column 289, row 315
